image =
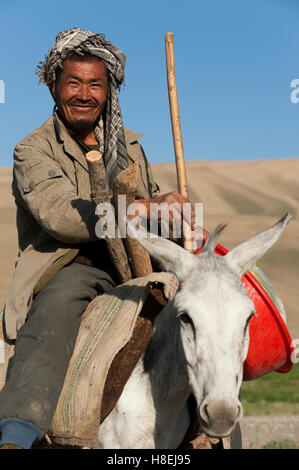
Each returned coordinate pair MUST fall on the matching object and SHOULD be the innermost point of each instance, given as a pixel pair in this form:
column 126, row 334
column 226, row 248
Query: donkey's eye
column 184, row 317
column 187, row 321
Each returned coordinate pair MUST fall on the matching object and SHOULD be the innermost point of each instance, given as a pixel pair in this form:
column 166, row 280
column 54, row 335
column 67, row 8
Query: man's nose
column 83, row 93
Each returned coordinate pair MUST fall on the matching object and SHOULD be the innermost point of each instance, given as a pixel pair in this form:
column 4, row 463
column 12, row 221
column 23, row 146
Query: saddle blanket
column 107, row 326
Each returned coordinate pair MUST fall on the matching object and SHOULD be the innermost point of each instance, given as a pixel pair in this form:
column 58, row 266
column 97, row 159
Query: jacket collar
column 131, row 136
column 70, row 144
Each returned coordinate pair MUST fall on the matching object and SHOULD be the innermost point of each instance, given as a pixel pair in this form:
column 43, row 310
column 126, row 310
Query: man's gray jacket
column 54, row 211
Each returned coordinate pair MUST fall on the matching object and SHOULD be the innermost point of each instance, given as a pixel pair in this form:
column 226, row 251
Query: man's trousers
column 45, row 343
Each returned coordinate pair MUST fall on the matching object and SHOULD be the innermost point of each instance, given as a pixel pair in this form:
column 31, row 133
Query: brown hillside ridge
column 248, row 195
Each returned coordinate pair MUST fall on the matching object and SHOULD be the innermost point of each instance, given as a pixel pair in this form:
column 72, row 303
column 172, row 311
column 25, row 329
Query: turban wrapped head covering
column 110, row 135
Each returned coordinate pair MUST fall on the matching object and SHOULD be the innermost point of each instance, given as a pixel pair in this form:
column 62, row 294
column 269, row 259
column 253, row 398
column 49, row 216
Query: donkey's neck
column 152, row 411
column 164, row 359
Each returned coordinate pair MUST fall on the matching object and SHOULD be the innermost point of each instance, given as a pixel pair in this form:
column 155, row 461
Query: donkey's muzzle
column 218, row 418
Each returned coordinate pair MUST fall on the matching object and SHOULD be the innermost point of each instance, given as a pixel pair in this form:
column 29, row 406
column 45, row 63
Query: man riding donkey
column 62, row 264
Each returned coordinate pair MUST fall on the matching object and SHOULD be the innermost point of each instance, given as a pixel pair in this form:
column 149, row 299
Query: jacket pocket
column 39, row 173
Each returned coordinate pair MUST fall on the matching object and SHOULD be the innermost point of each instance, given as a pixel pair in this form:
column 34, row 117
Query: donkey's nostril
column 204, row 413
column 219, row 417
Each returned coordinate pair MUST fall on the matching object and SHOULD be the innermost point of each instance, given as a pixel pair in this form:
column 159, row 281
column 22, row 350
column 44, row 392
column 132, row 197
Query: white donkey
column 199, row 344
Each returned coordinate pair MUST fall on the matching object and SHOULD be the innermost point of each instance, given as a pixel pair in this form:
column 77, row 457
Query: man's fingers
column 180, row 210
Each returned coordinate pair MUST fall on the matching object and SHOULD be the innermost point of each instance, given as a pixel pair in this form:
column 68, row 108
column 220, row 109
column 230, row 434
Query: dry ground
column 270, row 432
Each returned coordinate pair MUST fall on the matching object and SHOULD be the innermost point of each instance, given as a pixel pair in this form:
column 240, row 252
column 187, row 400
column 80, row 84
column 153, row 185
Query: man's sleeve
column 152, row 185
column 48, row 195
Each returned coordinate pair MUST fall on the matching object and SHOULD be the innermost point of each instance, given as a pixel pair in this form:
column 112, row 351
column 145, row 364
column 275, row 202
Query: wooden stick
column 127, row 184
column 175, row 116
column 177, row 133
column 100, row 194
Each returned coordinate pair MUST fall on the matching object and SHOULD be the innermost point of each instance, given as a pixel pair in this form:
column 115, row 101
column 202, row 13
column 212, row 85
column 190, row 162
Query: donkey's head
column 213, row 310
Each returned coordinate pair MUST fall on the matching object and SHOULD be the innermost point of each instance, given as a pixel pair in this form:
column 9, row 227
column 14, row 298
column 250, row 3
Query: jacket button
column 31, row 184
column 51, row 173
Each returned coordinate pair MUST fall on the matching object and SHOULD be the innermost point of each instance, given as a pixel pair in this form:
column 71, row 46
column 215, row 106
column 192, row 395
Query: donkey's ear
column 244, row 256
column 170, row 256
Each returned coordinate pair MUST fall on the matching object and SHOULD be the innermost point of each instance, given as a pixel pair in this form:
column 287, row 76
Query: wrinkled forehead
column 76, row 63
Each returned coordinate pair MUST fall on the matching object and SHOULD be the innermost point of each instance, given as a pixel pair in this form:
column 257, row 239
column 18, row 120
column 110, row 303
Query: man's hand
column 170, row 208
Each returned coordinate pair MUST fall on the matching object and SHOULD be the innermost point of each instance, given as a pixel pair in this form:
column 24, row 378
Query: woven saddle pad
column 115, row 329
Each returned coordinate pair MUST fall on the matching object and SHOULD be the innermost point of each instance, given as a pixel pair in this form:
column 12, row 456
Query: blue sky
column 235, row 60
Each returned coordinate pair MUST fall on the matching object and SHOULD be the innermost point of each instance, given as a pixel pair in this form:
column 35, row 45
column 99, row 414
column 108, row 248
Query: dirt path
column 270, row 431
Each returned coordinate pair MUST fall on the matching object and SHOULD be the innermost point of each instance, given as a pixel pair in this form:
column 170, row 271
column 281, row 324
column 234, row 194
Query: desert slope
column 248, row 195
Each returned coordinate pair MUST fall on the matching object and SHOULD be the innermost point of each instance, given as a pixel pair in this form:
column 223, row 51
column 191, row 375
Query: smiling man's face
column 80, row 92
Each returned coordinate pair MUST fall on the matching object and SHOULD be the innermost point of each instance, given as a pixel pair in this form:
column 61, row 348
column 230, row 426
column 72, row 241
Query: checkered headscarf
column 79, row 41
